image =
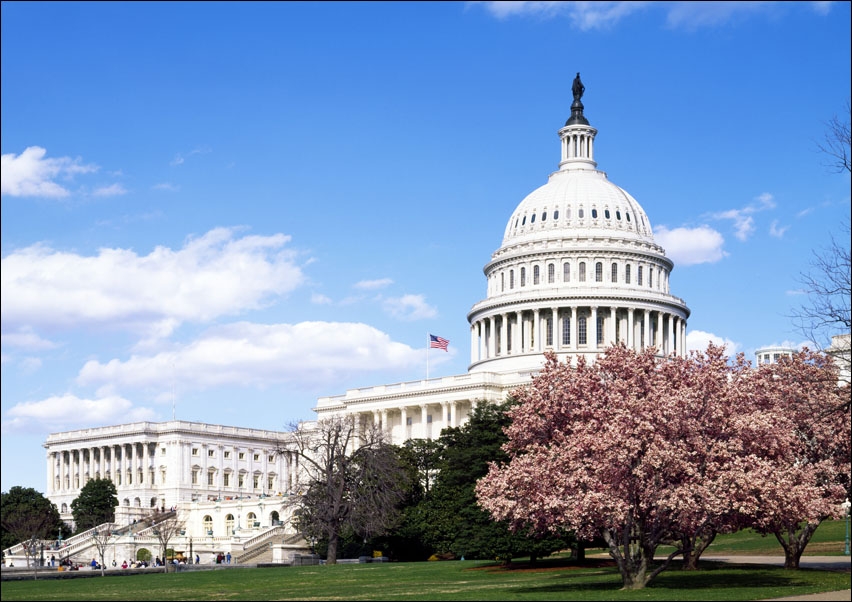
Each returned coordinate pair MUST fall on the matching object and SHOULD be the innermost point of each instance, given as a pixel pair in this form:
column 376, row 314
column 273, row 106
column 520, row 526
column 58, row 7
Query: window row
column 581, row 214
column 643, row 275
column 211, row 453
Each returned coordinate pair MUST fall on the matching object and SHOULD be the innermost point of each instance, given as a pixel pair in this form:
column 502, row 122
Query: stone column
column 404, row 420
column 504, row 333
column 631, row 330
column 453, row 414
column 474, row 343
column 537, row 345
column 424, row 426
column 612, row 327
column 645, row 319
column 555, row 331
column 492, row 338
column 385, row 425
column 592, row 330
column 574, row 334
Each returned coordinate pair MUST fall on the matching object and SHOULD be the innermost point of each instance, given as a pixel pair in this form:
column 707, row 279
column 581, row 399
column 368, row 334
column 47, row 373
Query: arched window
column 618, row 215
column 581, row 330
column 566, row 331
column 650, row 277
column 229, row 524
column 252, row 520
column 549, row 338
column 582, row 271
column 207, row 521
column 599, row 272
column 580, row 213
column 532, row 218
column 627, row 274
column 551, row 273
column 594, row 214
column 524, row 277
column 524, row 221
column 566, row 272
column 606, row 213
column 511, row 279
column 535, row 274
column 502, row 282
column 614, row 276
column 556, row 214
column 600, row 333
column 639, row 275
column 544, row 216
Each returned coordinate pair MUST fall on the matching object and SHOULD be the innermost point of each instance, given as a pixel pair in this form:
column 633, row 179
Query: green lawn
column 452, row 580
column 552, row 579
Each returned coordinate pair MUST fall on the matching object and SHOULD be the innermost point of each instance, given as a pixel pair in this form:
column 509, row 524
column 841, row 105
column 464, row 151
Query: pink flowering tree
column 641, row 451
column 811, row 476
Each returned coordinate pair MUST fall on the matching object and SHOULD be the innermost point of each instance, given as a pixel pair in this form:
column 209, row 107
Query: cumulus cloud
column 307, row 353
column 690, row 246
column 409, row 308
column 776, row 230
column 212, row 275
column 26, row 340
column 31, row 174
column 681, row 15
column 742, row 218
column 373, row 284
column 111, row 190
column 698, row 340
column 63, row 412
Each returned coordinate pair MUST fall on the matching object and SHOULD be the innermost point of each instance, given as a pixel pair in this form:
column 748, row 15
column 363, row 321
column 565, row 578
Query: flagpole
column 427, row 356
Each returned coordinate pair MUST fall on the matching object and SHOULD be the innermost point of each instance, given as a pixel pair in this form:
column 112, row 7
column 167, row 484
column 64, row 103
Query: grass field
column 551, row 579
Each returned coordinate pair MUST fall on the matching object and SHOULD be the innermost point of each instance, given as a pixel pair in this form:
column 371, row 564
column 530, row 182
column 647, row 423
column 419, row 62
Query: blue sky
column 226, row 210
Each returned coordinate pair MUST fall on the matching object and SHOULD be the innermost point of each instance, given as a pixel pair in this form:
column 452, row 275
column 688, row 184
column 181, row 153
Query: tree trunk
column 794, row 544
column 333, row 541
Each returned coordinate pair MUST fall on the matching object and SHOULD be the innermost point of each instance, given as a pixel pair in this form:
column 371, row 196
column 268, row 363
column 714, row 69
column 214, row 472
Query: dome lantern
column 577, row 136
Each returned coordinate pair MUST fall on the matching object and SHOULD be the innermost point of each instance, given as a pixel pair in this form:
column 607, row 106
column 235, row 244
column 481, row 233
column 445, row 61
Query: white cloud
column 212, row 275
column 373, row 284
column 776, row 230
column 698, row 340
column 409, row 308
column 320, row 299
column 583, row 15
column 26, row 339
column 30, row 174
column 180, row 159
column 307, row 353
column 742, row 218
column 168, row 186
column 691, row 246
column 63, row 412
column 111, row 190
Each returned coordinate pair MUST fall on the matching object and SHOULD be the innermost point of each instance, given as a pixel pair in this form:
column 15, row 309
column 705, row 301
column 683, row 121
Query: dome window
column 639, row 275
column 566, row 272
column 614, row 277
column 544, row 216
column 551, row 273
column 524, row 221
column 580, row 213
column 511, row 279
column 532, row 218
column 581, row 330
column 627, row 274
column 627, row 215
column 594, row 214
column 516, row 222
column 599, row 272
column 524, row 276
column 536, row 275
column 556, row 214
column 582, row 271
column 606, row 213
column 568, row 213
column 618, row 215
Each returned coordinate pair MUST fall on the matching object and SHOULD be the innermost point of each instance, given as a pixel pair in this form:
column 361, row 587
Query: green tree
column 95, row 505
column 27, row 516
column 453, row 521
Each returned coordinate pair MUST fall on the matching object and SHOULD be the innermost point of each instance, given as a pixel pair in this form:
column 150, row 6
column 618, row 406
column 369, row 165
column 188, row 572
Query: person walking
column 228, row 557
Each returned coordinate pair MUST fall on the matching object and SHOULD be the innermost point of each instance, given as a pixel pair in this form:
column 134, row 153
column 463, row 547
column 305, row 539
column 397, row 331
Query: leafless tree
column 102, row 537
column 350, row 479
column 29, row 528
column 165, row 530
column 837, row 142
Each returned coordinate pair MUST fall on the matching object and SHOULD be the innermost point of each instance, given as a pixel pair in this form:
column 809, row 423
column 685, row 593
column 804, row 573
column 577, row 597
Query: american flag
column 438, row 342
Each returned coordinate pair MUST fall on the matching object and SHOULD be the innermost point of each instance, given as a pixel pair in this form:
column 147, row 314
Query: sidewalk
column 823, row 563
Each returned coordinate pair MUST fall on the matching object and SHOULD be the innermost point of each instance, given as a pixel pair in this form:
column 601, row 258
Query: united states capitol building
column 577, row 271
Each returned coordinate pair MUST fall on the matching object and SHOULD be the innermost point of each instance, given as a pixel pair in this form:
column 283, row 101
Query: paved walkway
column 823, row 563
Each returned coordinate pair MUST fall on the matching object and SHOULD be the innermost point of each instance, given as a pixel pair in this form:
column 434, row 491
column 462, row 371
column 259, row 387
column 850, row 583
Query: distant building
column 771, row 355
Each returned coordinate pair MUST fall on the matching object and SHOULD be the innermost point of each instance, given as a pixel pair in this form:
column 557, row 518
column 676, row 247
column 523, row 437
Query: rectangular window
column 551, row 273
column 270, row 483
column 241, row 481
column 242, row 456
column 627, row 274
column 227, row 454
column 581, row 334
column 210, row 453
column 639, row 275
column 209, row 478
column 226, row 480
column 162, row 451
column 582, row 271
column 549, row 337
column 256, row 457
column 163, row 476
column 429, row 419
column 194, row 451
column 271, row 458
column 566, row 272
column 255, row 482
column 600, row 330
column 195, row 477
column 408, row 421
column 566, row 332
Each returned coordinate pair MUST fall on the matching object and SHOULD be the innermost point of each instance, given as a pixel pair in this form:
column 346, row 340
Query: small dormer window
column 532, row 218
column 606, row 213
column 556, row 214
column 580, row 213
column 544, row 216
column 627, row 215
column 618, row 215
column 524, row 221
column 594, row 214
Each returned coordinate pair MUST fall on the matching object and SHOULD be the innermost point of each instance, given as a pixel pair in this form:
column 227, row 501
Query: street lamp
column 845, row 505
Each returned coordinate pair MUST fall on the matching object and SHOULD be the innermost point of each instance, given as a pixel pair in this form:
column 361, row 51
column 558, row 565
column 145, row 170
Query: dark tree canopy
column 95, row 505
column 27, row 514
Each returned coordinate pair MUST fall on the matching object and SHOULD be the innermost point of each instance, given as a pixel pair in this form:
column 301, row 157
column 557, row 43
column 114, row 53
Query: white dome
column 578, row 203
